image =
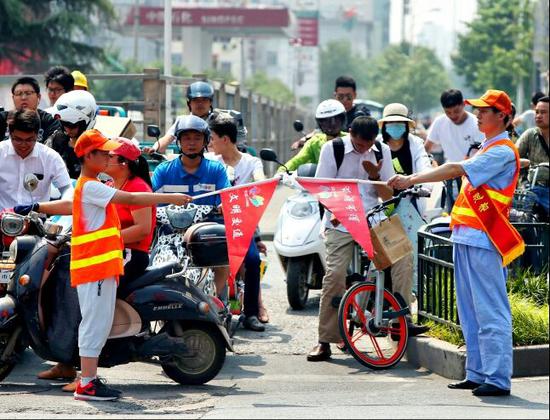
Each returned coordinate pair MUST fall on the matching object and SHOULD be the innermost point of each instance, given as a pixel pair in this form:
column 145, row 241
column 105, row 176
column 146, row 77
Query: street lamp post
column 168, row 59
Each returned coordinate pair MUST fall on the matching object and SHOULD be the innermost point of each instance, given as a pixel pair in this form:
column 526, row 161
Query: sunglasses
column 342, row 96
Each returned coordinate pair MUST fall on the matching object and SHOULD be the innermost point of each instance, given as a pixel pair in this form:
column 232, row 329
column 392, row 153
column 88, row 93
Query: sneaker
column 96, row 390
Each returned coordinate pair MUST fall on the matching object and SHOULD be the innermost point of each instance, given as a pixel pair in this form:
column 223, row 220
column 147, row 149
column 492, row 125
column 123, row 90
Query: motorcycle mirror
column 298, row 126
column 269, row 155
column 153, row 131
column 30, row 182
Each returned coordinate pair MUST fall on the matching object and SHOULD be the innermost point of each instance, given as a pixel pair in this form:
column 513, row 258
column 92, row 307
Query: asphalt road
column 269, row 377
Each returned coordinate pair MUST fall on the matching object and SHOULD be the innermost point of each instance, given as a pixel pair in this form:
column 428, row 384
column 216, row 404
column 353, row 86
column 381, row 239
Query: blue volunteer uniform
column 171, row 177
column 482, row 301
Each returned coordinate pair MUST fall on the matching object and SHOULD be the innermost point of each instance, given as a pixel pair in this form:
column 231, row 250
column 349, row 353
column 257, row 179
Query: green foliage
column 337, row 59
column 445, row 332
column 530, row 286
column 36, row 34
column 413, row 76
column 529, row 324
column 529, row 321
column 496, row 52
column 132, row 90
column 271, row 88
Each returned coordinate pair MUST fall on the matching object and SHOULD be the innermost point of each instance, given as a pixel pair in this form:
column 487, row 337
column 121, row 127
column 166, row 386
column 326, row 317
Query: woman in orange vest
column 484, row 244
column 97, row 253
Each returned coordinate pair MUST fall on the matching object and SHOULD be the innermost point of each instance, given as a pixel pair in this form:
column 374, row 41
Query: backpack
column 338, row 148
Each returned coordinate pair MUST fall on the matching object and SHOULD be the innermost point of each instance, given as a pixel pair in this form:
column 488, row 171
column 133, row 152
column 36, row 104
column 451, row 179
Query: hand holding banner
column 243, row 208
column 343, row 200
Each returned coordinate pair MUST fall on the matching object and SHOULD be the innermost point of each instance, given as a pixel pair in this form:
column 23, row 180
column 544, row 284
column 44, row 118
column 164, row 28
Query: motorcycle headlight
column 12, row 224
column 13, row 250
column 301, row 210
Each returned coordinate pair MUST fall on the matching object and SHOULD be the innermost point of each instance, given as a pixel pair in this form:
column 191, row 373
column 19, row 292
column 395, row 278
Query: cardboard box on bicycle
column 115, row 126
column 390, row 242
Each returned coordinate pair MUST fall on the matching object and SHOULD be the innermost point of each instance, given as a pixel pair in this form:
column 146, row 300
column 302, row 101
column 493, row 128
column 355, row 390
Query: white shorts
column 97, row 315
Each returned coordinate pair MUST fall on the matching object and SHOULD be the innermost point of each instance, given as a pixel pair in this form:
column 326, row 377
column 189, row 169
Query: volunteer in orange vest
column 96, row 253
column 484, row 244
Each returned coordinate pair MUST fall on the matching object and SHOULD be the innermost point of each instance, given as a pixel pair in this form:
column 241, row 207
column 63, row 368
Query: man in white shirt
column 456, row 132
column 241, row 168
column 22, row 155
column 359, row 162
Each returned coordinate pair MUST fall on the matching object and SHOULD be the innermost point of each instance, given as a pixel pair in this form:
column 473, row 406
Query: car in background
column 375, row 108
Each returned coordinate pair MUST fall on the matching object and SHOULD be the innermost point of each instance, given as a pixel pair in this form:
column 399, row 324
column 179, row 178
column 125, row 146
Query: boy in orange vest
column 484, row 243
column 96, row 253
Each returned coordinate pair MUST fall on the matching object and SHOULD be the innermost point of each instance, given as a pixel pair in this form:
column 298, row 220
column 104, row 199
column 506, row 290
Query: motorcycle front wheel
column 8, row 361
column 298, row 273
column 208, row 347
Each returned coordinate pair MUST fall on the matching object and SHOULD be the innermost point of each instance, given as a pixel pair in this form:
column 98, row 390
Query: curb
column 448, row 360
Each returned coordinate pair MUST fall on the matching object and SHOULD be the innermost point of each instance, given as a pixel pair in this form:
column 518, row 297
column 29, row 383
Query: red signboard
column 308, row 31
column 212, row 17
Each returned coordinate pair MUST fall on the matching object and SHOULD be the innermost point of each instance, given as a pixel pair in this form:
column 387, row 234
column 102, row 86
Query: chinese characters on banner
column 344, row 201
column 242, row 210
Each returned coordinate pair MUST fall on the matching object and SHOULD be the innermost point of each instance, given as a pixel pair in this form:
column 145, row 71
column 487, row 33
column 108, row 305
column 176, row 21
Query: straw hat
column 396, row 113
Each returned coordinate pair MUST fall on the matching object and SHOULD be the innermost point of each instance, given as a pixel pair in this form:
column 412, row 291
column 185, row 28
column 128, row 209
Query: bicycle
column 372, row 320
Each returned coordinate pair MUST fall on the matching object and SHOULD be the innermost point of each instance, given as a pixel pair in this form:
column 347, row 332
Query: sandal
column 263, row 317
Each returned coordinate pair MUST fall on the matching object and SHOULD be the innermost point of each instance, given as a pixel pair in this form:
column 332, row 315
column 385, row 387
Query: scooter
column 298, row 241
column 158, row 315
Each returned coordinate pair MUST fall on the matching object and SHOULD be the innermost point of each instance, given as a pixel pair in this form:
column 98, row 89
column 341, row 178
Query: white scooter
column 298, row 241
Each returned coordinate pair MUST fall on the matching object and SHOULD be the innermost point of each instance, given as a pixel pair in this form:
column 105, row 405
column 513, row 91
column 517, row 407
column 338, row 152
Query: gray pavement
column 269, row 377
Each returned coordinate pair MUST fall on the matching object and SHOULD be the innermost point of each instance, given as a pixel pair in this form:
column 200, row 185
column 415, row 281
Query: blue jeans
column 251, row 280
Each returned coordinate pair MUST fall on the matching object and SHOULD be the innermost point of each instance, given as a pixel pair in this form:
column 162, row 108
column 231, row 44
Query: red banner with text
column 243, row 208
column 343, row 200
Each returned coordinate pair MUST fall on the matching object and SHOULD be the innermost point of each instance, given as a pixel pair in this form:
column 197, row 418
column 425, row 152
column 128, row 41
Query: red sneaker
column 95, row 391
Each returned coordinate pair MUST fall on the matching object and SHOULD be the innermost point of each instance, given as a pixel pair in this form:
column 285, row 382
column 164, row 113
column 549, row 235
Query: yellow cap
column 80, row 79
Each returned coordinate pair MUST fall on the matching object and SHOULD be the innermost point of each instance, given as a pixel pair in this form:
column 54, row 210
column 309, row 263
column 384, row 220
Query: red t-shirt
column 124, row 211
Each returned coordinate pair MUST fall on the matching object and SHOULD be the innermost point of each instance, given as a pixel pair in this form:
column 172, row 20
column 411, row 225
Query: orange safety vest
column 95, row 255
column 487, row 209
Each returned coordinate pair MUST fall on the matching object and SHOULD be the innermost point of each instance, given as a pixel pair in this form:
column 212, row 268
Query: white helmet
column 330, row 116
column 75, row 106
column 329, row 108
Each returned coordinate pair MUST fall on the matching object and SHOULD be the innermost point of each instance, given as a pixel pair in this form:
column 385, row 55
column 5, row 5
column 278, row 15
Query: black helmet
column 200, row 90
column 237, row 116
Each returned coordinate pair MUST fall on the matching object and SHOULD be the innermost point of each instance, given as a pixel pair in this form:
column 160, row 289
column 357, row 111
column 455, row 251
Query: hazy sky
column 449, row 13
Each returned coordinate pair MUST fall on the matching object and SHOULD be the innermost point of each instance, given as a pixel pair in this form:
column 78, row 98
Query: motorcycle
column 189, row 235
column 298, row 241
column 160, row 315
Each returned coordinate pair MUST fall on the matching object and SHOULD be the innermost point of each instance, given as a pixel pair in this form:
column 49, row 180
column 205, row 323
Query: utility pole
column 168, row 59
column 136, row 28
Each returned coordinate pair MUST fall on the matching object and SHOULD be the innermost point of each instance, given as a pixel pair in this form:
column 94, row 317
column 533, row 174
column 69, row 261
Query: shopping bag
column 390, row 242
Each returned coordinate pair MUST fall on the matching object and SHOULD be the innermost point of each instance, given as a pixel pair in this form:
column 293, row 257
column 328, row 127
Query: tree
column 337, row 60
column 496, row 52
column 274, row 89
column 35, row 34
column 413, row 76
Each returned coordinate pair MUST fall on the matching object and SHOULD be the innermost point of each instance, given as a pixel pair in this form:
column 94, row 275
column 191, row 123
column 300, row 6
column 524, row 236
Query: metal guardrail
column 436, row 285
column 269, row 123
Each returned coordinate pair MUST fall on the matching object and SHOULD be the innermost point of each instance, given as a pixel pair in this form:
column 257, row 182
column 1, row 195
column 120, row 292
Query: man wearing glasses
column 26, row 95
column 22, row 155
column 345, row 91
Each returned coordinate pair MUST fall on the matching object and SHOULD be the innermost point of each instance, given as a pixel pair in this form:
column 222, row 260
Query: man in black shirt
column 345, row 91
column 26, row 95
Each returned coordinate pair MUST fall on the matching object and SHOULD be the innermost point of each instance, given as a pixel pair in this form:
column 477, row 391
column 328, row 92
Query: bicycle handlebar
column 416, row 191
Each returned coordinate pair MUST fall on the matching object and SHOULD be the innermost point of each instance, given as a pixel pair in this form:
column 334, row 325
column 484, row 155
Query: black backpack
column 338, row 148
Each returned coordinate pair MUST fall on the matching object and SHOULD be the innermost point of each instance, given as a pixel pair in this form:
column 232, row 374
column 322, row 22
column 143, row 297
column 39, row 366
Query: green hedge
column 529, row 304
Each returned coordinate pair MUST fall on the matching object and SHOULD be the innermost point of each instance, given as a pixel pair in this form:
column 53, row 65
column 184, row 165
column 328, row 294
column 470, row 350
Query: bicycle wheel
column 376, row 348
